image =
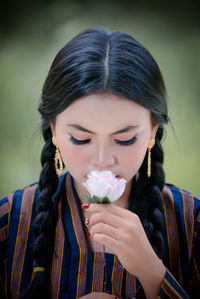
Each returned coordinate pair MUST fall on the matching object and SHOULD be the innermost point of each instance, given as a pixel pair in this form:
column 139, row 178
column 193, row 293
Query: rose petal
column 104, row 184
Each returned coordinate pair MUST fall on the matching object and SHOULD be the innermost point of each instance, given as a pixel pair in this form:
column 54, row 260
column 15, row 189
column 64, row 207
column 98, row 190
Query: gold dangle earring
column 151, row 144
column 57, row 159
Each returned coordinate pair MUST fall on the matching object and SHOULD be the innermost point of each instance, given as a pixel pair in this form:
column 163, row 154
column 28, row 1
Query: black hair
column 94, row 62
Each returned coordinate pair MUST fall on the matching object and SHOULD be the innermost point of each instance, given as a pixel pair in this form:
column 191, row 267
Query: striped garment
column 75, row 270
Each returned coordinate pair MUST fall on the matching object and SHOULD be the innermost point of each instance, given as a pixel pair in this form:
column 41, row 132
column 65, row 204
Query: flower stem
column 105, row 273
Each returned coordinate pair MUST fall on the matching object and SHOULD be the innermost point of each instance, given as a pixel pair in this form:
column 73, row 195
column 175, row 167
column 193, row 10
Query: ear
column 154, row 130
column 52, row 126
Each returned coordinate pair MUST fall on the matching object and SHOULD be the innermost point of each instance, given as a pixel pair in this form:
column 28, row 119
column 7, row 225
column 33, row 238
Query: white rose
column 104, row 184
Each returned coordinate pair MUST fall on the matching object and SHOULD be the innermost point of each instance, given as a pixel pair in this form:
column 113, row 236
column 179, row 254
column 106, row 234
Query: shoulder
column 23, row 202
column 181, row 202
column 17, row 203
column 15, row 198
column 24, row 199
column 177, row 194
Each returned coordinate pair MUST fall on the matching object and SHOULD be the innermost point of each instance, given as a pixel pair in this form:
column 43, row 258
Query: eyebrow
column 124, row 130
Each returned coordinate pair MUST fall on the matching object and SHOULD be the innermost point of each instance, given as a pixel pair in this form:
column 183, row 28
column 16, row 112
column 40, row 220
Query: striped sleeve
column 194, row 271
column 5, row 206
column 189, row 287
column 170, row 288
column 4, row 212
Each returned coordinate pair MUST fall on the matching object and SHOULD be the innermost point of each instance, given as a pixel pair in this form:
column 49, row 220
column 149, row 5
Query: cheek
column 69, row 155
column 133, row 158
column 73, row 157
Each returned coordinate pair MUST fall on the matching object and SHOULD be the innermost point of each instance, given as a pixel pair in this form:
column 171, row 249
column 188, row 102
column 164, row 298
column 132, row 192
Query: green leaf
column 95, row 199
column 101, row 200
column 86, row 198
column 106, row 200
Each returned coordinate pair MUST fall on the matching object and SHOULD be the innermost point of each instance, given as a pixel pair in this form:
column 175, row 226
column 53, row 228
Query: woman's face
column 103, row 132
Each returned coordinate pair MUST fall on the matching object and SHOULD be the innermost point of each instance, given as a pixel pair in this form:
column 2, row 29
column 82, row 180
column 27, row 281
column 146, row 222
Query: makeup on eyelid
column 78, row 141
column 126, row 136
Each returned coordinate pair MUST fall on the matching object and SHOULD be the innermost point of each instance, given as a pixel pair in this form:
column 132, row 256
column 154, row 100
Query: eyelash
column 123, row 143
column 127, row 142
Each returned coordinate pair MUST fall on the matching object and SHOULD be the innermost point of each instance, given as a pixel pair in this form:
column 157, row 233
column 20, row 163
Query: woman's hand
column 121, row 231
column 96, row 295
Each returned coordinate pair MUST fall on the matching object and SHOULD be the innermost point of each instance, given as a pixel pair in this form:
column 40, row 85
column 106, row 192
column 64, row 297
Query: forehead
column 104, row 108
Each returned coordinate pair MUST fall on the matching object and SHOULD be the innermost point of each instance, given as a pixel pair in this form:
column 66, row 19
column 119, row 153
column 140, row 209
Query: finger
column 106, row 217
column 121, row 235
column 105, row 229
column 119, row 211
column 129, row 223
column 108, row 241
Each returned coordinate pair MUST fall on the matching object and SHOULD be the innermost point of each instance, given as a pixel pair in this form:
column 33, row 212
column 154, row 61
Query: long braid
column 78, row 70
column 43, row 228
column 149, row 201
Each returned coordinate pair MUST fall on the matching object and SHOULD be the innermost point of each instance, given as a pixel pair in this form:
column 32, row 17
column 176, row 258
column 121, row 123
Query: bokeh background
column 32, row 32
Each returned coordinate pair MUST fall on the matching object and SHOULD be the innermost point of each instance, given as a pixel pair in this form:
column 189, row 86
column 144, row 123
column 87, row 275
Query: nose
column 102, row 157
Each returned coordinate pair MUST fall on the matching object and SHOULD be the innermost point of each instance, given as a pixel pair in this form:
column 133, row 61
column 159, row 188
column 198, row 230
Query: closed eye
column 79, row 142
column 126, row 142
column 120, row 142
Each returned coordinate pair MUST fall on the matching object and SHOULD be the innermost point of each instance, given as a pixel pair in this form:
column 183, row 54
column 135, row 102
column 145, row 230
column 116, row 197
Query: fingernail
column 87, row 221
column 85, row 205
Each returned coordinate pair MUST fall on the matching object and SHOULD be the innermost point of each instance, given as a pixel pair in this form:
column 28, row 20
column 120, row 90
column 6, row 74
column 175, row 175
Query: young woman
column 103, row 108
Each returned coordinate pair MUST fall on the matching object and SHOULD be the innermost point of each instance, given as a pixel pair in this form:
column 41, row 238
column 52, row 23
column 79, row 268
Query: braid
column 149, row 202
column 83, row 67
column 43, row 228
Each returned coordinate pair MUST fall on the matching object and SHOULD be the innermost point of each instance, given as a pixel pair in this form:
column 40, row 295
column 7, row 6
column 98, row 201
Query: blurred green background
column 33, row 32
